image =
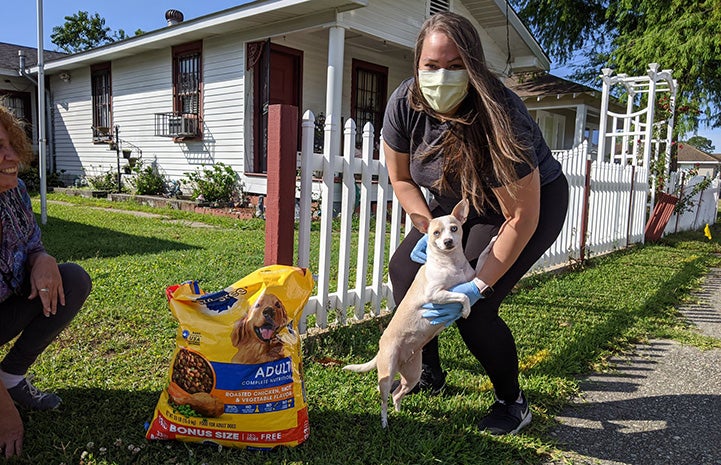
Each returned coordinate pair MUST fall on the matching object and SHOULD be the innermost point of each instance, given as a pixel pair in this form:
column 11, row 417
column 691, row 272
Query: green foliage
column 218, row 184
column 148, row 179
column 702, row 143
column 107, row 181
column 31, row 178
column 82, row 31
column 627, row 35
column 564, row 26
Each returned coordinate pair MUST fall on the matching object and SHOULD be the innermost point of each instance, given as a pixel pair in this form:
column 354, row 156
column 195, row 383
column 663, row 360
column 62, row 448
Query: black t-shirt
column 408, row 131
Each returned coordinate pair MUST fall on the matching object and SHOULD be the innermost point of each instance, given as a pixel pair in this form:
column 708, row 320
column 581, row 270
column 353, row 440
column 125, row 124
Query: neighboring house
column 196, row 92
column 567, row 112
column 689, row 157
column 18, row 92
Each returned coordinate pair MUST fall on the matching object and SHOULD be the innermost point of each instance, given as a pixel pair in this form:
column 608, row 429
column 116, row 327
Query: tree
column 702, row 143
column 627, row 35
column 82, row 31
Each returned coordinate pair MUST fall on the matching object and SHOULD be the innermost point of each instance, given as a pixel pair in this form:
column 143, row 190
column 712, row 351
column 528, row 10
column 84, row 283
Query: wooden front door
column 278, row 80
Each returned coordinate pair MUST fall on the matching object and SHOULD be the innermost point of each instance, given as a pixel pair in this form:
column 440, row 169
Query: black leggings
column 485, row 334
column 23, row 317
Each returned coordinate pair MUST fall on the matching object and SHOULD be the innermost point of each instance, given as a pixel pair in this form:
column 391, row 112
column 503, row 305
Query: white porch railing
column 607, row 211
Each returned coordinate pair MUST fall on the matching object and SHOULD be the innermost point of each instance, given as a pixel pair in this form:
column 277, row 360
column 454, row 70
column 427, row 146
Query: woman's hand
column 46, row 282
column 449, row 312
column 418, row 254
column 11, row 426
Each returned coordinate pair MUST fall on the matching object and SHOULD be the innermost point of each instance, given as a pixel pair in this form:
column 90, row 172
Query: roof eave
column 189, row 30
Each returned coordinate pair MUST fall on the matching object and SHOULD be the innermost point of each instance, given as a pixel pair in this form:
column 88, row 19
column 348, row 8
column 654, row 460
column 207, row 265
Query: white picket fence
column 702, row 207
column 355, row 284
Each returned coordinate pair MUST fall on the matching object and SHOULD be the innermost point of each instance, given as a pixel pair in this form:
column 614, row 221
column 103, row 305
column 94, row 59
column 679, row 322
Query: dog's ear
column 420, row 222
column 236, row 335
column 460, row 211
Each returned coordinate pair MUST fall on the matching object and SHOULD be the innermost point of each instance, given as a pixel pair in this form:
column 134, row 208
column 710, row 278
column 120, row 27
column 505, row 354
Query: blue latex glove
column 450, row 312
column 418, row 254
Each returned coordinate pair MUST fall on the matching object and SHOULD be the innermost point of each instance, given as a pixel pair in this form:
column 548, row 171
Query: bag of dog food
column 236, row 375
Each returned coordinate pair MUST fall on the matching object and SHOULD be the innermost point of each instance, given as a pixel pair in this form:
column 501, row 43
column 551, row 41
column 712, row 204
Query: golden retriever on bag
column 261, row 334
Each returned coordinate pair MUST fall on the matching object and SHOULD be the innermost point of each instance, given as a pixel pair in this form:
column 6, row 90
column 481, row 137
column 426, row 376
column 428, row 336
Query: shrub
column 148, row 180
column 218, row 184
column 31, row 178
column 107, row 181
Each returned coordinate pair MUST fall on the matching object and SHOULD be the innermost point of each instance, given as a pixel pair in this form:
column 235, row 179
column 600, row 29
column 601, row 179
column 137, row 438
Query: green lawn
column 110, row 365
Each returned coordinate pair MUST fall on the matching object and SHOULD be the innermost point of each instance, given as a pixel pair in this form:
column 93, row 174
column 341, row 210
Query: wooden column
column 280, row 202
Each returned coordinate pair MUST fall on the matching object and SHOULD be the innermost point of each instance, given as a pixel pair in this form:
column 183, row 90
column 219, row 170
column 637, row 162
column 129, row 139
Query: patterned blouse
column 20, row 238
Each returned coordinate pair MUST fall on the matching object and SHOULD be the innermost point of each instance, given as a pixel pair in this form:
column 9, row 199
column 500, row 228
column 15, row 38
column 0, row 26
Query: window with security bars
column 19, row 104
column 101, row 92
column 436, row 6
column 188, row 84
column 368, row 98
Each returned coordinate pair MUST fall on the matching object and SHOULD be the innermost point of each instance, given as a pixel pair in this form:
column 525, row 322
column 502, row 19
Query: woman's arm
column 521, row 212
column 407, row 191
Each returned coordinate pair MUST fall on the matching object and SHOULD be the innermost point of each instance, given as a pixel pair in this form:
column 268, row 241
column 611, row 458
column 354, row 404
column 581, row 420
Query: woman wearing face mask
column 455, row 129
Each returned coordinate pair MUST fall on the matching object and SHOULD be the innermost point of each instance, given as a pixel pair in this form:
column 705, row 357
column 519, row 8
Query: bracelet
column 484, row 289
column 480, row 284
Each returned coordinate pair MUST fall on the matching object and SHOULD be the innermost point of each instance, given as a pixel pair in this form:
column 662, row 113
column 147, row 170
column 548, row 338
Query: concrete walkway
column 660, row 405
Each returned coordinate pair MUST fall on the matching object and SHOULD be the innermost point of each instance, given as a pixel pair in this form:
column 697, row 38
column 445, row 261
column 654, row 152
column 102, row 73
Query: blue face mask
column 444, row 90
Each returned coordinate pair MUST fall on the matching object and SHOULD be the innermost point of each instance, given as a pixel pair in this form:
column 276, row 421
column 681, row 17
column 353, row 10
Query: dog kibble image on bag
column 236, row 375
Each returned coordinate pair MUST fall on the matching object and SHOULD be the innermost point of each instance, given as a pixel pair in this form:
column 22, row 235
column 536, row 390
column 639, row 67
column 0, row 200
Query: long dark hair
column 481, row 139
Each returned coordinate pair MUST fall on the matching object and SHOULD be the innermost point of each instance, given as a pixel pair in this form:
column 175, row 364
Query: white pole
column 603, row 120
column 41, row 119
column 334, row 87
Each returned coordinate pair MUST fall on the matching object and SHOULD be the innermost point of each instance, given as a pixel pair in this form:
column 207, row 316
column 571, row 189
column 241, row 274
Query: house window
column 187, row 88
column 19, row 104
column 368, row 97
column 436, row 6
column 102, row 103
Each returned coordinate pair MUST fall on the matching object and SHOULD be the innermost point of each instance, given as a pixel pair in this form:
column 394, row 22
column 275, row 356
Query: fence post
column 280, row 203
column 585, row 208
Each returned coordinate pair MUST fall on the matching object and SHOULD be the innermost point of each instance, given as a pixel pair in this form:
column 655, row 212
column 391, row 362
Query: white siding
column 141, row 87
column 397, row 21
column 496, row 54
column 74, row 148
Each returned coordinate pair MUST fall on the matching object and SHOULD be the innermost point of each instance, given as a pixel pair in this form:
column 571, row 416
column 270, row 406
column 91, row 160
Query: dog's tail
column 363, row 367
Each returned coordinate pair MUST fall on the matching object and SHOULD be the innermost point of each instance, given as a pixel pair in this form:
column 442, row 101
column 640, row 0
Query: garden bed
column 163, row 202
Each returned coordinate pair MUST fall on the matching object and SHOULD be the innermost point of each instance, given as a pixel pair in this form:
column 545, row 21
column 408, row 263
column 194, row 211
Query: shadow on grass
column 107, row 426
column 585, row 347
column 68, row 240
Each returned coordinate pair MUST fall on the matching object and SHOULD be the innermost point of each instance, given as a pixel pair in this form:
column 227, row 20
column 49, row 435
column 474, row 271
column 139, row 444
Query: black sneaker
column 506, row 418
column 428, row 383
column 29, row 397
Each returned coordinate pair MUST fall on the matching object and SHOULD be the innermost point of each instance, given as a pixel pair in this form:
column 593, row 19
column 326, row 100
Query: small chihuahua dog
column 399, row 348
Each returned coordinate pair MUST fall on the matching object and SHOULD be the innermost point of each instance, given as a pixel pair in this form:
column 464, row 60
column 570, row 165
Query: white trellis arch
column 635, row 137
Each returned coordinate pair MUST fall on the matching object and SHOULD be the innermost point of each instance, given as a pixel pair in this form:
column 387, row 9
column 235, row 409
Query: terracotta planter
column 662, row 212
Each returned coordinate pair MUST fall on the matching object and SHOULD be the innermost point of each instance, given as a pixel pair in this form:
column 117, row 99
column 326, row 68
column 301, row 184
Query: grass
column 111, row 364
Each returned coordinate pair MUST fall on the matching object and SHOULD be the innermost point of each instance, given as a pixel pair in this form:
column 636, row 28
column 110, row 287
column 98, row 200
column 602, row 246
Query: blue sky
column 147, row 15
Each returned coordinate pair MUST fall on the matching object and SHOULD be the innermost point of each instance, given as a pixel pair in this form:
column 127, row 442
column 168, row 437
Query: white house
column 567, row 112
column 196, row 91
column 689, row 158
